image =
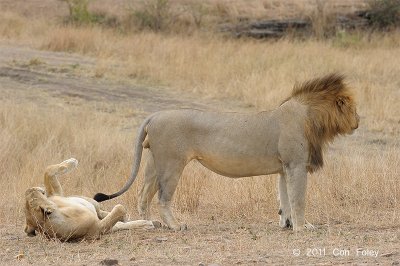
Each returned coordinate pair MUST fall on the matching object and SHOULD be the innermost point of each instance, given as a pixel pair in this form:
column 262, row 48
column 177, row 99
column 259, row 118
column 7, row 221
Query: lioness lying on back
column 49, row 212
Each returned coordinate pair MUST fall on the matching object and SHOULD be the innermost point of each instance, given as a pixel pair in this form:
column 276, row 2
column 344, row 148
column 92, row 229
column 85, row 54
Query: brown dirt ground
column 36, row 75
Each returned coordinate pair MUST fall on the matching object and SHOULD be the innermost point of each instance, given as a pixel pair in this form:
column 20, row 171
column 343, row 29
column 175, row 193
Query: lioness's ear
column 47, row 210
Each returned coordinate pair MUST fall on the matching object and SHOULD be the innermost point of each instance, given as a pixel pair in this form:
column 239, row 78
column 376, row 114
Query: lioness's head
column 34, row 212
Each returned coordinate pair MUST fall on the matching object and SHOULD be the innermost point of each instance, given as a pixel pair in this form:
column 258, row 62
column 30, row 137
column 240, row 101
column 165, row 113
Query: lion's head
column 332, row 111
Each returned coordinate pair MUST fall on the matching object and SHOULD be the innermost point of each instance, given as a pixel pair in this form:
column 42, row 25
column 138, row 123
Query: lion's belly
column 233, row 167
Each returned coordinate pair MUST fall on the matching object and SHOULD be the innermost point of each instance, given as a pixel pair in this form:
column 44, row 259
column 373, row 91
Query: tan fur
column 288, row 140
column 51, row 213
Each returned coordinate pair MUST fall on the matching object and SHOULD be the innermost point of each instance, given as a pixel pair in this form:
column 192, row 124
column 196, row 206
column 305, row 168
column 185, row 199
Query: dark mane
column 325, row 119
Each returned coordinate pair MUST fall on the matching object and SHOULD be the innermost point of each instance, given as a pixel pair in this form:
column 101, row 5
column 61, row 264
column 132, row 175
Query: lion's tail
column 99, row 197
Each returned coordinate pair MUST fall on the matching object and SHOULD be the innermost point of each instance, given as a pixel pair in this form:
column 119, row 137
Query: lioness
column 288, row 140
column 49, row 212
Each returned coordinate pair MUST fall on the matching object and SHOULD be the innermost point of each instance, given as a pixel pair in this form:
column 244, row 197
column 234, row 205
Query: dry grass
column 359, row 182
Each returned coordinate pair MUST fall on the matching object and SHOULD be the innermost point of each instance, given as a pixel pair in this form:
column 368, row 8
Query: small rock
column 20, row 256
column 109, row 262
column 161, row 239
column 388, row 254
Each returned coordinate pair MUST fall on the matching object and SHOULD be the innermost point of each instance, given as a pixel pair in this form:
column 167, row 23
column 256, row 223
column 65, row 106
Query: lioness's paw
column 70, row 163
column 64, row 167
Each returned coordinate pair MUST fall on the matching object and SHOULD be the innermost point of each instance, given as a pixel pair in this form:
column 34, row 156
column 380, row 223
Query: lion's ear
column 341, row 102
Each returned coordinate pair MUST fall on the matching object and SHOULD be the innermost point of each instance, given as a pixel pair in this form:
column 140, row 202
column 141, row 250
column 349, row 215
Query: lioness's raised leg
column 284, row 205
column 168, row 177
column 149, row 189
column 296, row 182
column 116, row 215
column 53, row 186
column 101, row 214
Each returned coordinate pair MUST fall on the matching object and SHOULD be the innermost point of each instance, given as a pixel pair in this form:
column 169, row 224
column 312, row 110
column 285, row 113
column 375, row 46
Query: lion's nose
column 358, row 121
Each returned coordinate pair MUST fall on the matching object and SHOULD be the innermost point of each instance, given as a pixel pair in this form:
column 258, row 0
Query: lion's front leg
column 285, row 220
column 296, row 182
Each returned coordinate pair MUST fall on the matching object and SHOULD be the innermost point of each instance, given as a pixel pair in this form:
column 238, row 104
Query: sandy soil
column 42, row 76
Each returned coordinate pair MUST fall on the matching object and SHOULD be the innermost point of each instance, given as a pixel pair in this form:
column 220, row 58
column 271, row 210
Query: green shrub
column 79, row 14
column 384, row 14
column 154, row 14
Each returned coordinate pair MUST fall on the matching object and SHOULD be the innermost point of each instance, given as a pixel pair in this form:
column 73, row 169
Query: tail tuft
column 99, row 197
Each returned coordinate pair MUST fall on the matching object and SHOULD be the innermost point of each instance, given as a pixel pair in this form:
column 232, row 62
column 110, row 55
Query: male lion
column 288, row 140
column 66, row 218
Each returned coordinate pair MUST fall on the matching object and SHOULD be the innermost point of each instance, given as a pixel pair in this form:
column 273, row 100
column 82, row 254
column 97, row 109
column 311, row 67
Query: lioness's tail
column 136, row 163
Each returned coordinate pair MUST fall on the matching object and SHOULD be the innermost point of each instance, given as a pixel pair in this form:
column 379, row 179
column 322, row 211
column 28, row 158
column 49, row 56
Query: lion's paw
column 285, row 220
column 183, row 227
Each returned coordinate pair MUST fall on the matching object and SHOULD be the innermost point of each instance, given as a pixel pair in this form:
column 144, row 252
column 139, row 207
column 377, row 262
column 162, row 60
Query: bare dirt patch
column 48, row 78
column 63, row 75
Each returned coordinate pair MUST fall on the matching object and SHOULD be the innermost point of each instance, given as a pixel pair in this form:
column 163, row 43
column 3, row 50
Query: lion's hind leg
column 168, row 178
column 149, row 189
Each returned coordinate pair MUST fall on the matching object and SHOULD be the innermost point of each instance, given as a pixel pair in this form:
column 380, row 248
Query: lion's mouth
column 353, row 130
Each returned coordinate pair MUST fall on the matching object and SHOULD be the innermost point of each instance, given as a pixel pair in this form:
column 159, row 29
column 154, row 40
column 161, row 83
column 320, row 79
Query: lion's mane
column 330, row 103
